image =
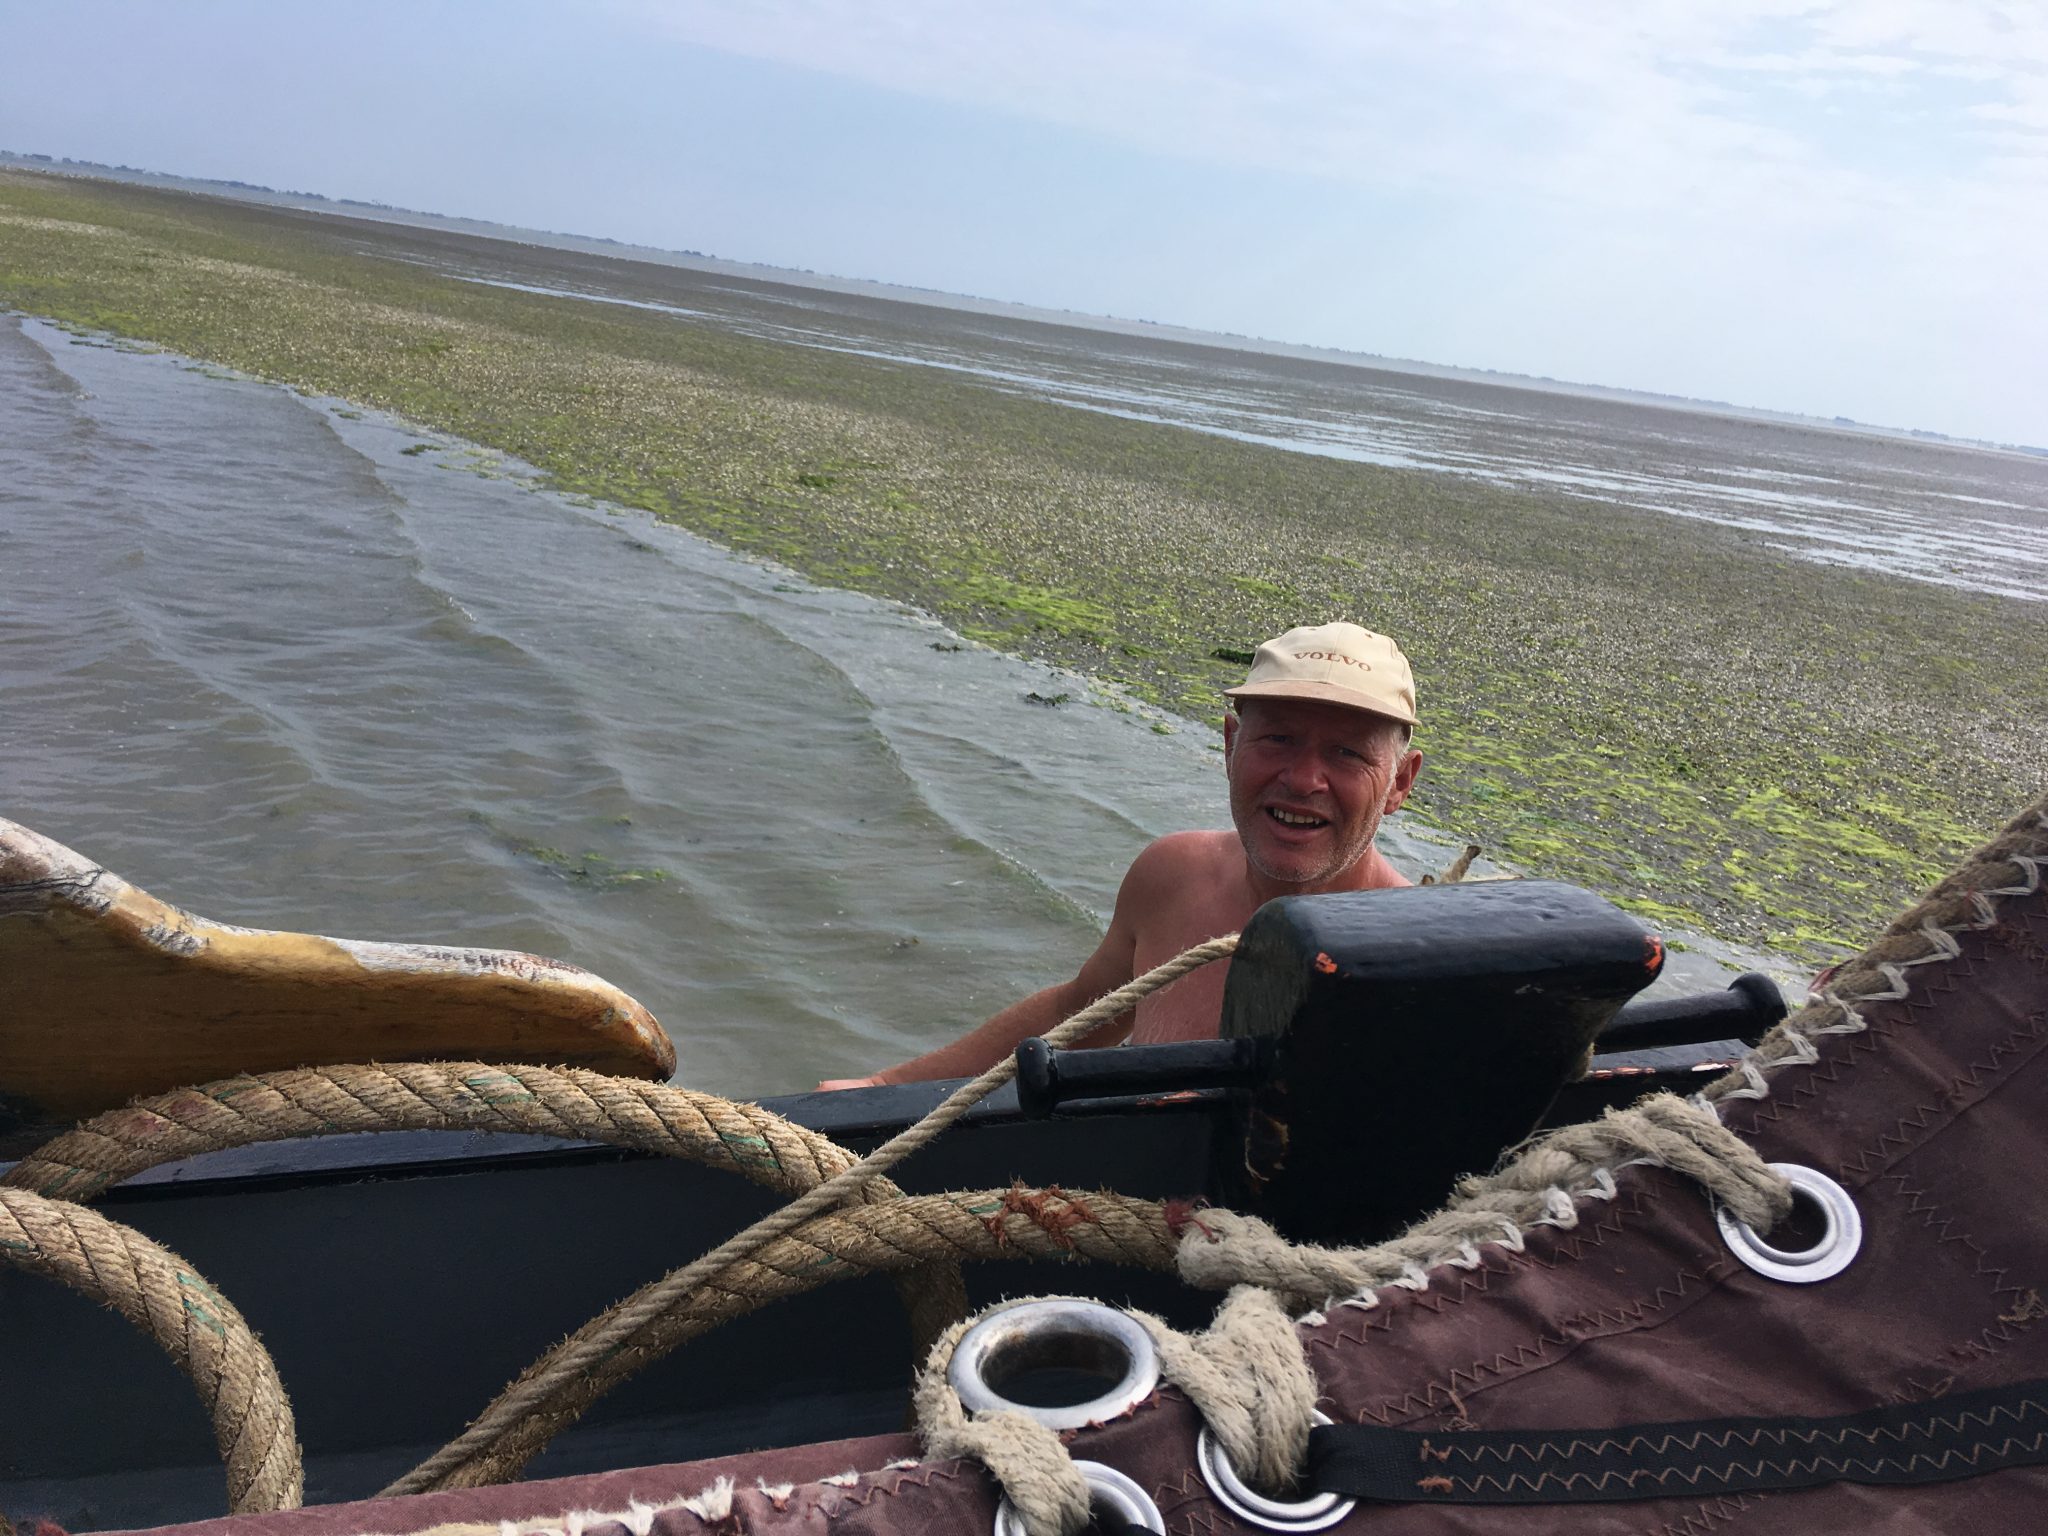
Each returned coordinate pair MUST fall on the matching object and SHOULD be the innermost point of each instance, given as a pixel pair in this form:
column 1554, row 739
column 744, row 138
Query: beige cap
column 1334, row 664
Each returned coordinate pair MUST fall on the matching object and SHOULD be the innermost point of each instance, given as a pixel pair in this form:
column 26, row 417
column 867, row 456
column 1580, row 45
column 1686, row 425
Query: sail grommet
column 1236, row 1495
column 1828, row 1255
column 1059, row 1334
column 1109, row 1492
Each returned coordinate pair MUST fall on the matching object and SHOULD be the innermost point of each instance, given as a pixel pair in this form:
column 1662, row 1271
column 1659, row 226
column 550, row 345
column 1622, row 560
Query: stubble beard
column 1341, row 861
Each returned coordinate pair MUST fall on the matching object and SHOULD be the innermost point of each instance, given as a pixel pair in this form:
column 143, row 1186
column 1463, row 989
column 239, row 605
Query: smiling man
column 1317, row 754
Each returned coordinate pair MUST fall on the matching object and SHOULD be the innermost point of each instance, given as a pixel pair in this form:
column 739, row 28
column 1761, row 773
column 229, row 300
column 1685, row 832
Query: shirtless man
column 1317, row 754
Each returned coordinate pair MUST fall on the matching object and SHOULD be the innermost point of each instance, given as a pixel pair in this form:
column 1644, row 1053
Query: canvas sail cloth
column 1934, row 1117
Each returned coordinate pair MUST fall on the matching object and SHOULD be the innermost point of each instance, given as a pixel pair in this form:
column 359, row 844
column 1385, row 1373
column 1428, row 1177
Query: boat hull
column 401, row 1280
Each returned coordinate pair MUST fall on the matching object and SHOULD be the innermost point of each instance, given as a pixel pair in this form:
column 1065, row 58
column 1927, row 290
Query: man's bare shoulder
column 1182, row 889
column 1180, row 856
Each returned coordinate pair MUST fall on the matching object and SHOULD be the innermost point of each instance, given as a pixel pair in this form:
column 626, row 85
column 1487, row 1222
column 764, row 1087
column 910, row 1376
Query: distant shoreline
column 408, row 218
column 1714, row 735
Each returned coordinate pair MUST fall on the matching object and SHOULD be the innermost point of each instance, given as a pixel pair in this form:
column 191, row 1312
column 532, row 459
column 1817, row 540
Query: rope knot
column 1029, row 1460
column 1249, row 1378
column 1246, row 1374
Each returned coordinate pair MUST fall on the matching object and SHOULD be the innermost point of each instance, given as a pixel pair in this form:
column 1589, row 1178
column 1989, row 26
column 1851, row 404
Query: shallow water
column 269, row 665
column 1917, row 508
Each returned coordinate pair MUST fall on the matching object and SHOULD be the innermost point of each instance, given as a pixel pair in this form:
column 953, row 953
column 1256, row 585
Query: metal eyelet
column 1061, row 1333
column 1107, row 1488
column 1835, row 1250
column 1234, row 1494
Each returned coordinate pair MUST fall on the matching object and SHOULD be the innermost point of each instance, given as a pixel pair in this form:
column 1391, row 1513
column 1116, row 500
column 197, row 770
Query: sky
column 1838, row 207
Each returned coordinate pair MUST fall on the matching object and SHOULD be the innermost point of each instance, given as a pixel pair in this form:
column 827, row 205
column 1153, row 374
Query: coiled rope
column 558, row 1386
column 198, row 1328
column 468, row 1096
column 793, row 1249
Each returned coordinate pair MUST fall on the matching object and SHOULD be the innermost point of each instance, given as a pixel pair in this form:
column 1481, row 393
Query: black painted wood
column 400, row 1281
column 1417, row 1032
column 1744, row 1011
column 1047, row 1079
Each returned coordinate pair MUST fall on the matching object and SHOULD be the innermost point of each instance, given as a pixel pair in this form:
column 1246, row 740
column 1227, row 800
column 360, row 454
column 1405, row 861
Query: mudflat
column 1686, row 711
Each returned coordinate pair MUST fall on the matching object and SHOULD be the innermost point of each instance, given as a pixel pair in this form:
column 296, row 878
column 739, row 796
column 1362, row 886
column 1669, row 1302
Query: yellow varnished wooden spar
column 107, row 992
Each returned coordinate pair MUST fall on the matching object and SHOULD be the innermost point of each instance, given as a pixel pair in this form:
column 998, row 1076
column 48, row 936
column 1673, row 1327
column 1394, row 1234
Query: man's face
column 1309, row 783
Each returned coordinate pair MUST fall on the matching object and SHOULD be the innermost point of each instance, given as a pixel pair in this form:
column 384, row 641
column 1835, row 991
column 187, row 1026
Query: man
column 1317, row 754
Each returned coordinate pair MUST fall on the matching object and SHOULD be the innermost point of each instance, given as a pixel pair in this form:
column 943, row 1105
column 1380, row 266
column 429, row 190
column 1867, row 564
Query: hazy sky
column 1834, row 206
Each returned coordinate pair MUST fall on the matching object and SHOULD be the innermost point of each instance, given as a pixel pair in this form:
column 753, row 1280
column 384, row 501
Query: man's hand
column 1100, row 974
column 834, row 1084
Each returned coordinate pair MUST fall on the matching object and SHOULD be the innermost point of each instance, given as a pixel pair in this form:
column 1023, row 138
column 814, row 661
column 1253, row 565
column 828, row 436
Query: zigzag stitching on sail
column 2033, row 1030
column 1841, row 1467
column 1438, row 1394
column 1802, row 1051
column 1634, row 1312
column 2017, row 939
column 1504, row 1363
column 1753, row 1069
column 1189, row 1500
column 1992, row 1339
column 1707, row 1516
column 923, row 1475
column 1919, row 1205
column 1783, row 1434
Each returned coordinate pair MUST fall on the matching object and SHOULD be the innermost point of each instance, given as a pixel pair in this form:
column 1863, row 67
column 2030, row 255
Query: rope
column 1246, row 1375
column 598, row 1351
column 464, row 1096
column 1543, row 1183
column 1243, row 1393
column 1029, row 1460
column 1239, row 1374
column 2011, row 864
column 1015, row 1223
column 470, row 1096
column 200, row 1329
column 1540, row 1187
column 1249, row 1379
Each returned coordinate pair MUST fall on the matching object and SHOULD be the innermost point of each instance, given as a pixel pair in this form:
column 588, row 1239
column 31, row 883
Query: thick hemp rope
column 535, row 1101
column 469, row 1096
column 1028, row 1459
column 1249, row 1378
column 1016, row 1223
column 1246, row 1374
column 199, row 1328
column 596, row 1351
column 1541, row 1186
column 2011, row 864
column 649, row 1117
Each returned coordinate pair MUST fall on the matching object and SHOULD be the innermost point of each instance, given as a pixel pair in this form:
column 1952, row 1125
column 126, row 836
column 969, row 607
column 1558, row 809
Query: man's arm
column 981, row 1048
column 1152, row 876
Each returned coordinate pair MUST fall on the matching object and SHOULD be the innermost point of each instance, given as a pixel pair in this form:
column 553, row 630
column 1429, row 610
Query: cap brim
column 1322, row 693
